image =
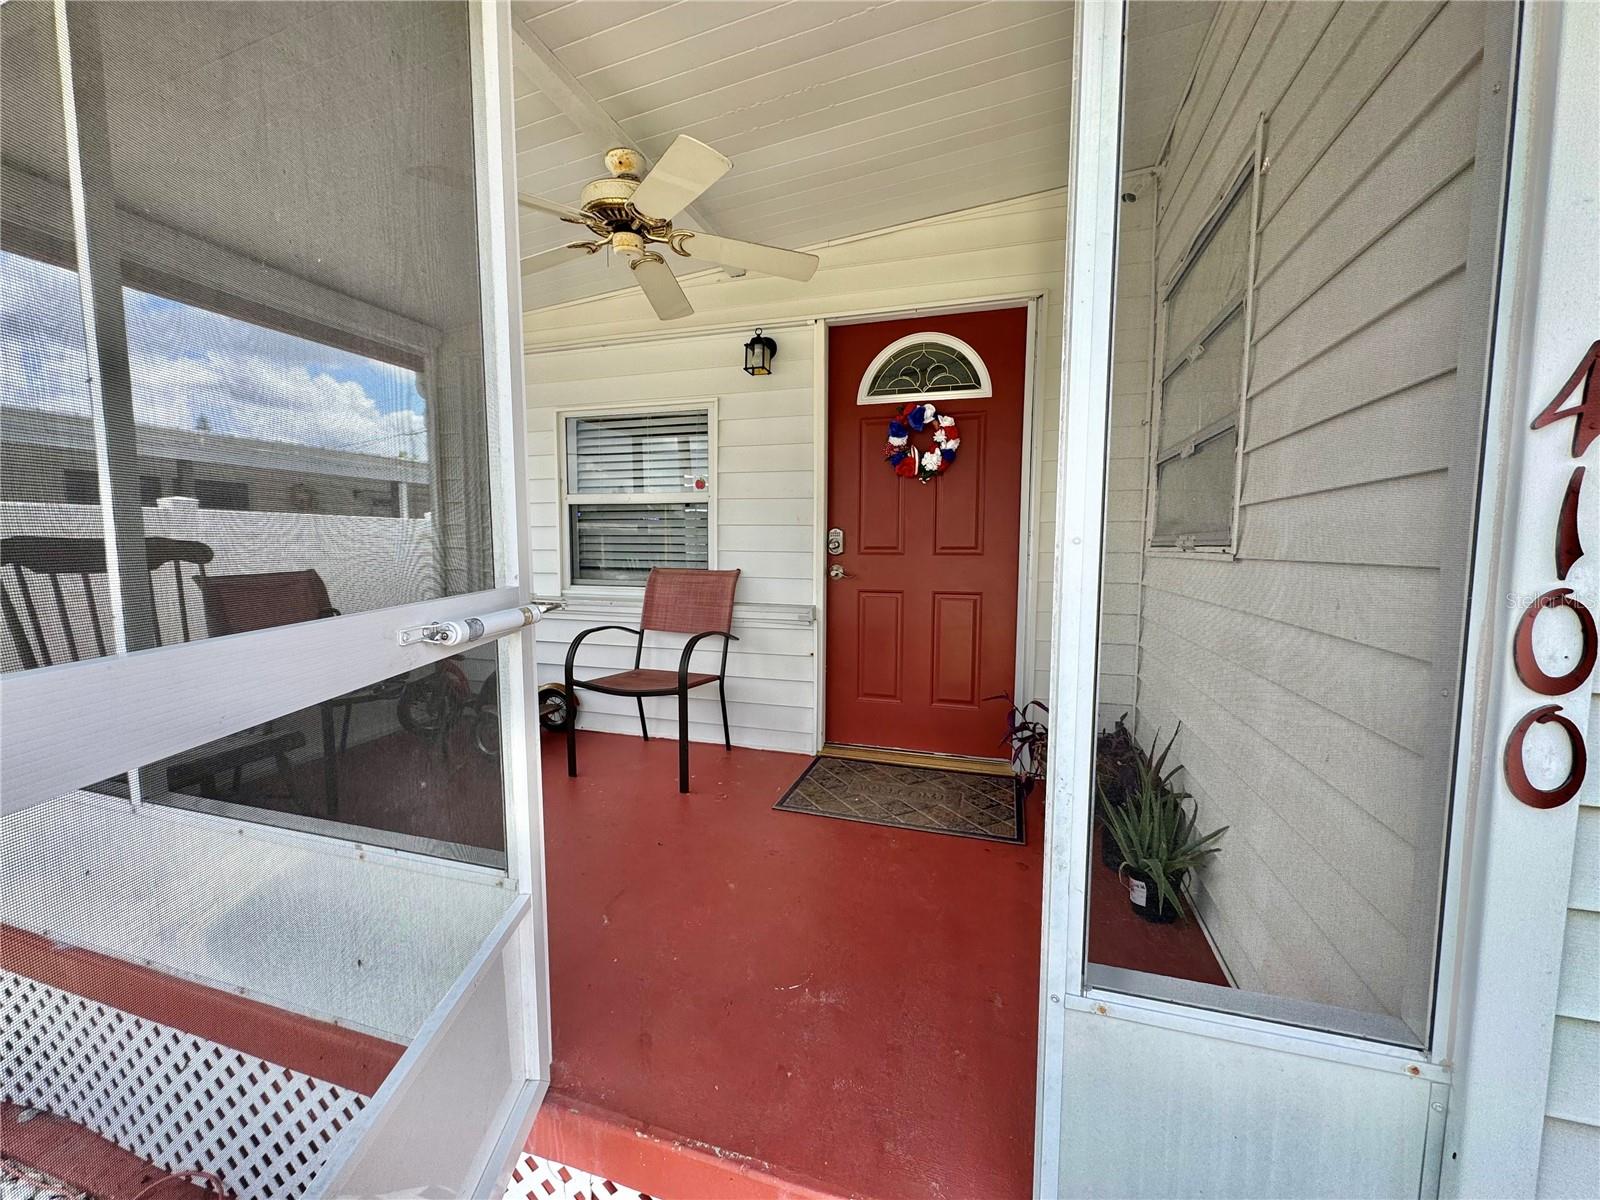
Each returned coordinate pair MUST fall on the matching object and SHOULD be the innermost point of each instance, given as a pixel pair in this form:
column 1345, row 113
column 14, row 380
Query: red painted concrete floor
column 850, row 1003
column 1119, row 937
column 844, row 1003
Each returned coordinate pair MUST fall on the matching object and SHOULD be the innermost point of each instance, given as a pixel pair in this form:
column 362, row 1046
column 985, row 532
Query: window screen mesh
column 289, row 422
column 1306, row 683
column 1194, row 494
column 283, row 229
column 1213, row 280
column 411, row 762
column 52, row 583
column 1203, row 393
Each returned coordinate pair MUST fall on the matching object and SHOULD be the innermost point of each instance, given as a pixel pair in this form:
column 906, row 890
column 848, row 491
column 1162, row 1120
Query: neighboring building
column 44, row 454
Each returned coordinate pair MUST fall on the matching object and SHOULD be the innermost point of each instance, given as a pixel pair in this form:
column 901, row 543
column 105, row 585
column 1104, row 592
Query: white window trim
column 985, row 384
column 1249, row 176
column 564, row 499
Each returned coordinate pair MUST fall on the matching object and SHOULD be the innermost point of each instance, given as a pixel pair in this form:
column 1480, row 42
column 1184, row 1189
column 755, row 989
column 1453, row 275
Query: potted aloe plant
column 1118, row 761
column 1157, row 834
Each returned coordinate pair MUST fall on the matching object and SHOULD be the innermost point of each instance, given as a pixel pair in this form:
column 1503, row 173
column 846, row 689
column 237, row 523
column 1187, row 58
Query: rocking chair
column 698, row 603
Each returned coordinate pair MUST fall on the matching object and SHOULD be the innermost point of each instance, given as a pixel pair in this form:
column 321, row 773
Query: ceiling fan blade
column 686, row 170
column 752, row 256
column 661, row 287
column 540, row 204
column 546, row 259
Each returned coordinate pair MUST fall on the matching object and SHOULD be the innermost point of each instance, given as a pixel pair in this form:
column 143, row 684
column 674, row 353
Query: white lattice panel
column 536, row 1178
column 176, row 1100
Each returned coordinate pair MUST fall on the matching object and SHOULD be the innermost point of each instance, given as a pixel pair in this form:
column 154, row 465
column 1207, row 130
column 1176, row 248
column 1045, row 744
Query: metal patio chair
column 676, row 600
column 54, row 614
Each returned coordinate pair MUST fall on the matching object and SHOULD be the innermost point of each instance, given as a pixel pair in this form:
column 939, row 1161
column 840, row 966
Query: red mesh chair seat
column 676, row 600
column 642, row 681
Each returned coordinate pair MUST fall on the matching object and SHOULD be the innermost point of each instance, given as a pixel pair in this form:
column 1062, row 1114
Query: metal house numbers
column 1585, row 416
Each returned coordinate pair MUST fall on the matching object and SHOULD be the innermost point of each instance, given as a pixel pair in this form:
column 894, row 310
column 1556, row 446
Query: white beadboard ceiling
column 841, row 117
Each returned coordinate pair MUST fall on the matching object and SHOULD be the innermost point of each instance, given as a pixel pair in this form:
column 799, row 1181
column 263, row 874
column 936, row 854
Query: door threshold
column 917, row 758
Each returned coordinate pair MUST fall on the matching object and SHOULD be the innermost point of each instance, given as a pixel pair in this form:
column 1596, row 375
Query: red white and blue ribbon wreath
column 902, row 453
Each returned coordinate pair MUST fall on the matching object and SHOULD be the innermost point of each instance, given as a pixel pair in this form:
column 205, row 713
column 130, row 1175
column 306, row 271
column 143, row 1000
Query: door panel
column 956, row 645
column 878, row 658
column 922, row 626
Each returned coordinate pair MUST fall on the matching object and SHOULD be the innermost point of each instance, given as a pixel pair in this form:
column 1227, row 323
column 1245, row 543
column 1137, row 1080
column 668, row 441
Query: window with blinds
column 1203, row 361
column 637, row 494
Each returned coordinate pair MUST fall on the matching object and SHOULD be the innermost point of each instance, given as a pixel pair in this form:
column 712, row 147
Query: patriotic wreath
column 907, row 460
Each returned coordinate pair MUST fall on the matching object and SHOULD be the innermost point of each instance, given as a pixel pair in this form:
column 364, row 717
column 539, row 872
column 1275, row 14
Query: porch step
column 655, row 1162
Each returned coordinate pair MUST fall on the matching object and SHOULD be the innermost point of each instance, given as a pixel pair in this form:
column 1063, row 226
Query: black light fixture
column 758, row 354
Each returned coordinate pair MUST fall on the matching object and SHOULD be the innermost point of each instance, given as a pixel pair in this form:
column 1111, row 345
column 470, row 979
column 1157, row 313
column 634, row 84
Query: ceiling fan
column 629, row 215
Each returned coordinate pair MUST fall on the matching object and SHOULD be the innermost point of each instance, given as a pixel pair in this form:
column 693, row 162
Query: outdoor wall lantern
column 758, row 354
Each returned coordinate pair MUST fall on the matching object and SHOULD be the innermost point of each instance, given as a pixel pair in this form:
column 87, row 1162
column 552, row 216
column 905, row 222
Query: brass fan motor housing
column 607, row 206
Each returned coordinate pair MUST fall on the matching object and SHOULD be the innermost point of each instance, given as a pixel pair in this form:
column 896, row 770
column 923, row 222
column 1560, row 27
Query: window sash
column 664, row 533
column 1231, row 225
column 665, row 485
column 636, row 454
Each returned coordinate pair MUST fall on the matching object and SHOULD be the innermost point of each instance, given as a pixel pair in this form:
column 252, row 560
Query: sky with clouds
column 198, row 369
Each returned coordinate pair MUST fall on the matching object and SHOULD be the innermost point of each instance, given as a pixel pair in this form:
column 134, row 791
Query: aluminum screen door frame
column 497, row 1011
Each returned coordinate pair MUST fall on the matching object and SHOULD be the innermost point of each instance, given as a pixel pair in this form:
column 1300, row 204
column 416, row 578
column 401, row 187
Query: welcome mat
column 925, row 798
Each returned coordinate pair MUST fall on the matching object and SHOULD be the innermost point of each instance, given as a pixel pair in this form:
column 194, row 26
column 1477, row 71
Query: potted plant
column 1028, row 739
column 1118, row 763
column 1116, row 757
column 1157, row 834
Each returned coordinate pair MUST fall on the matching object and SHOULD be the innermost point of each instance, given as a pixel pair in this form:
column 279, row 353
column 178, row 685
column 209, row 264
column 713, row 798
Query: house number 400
column 1585, row 416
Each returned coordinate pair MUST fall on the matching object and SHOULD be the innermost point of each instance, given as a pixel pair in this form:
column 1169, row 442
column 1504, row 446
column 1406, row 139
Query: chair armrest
column 572, row 648
column 688, row 649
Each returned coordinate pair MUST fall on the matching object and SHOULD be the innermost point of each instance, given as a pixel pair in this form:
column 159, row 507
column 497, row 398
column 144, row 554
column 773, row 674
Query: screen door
column 261, row 404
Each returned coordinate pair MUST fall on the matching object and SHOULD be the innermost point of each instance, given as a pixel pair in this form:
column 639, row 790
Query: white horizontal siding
column 1128, row 457
column 1304, row 671
column 1569, row 1155
column 765, row 490
column 761, row 494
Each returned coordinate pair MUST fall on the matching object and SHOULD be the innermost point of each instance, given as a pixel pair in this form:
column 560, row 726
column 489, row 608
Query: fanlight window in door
column 925, row 366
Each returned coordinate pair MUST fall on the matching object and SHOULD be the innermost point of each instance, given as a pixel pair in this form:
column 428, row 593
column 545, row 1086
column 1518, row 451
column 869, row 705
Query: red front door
column 922, row 622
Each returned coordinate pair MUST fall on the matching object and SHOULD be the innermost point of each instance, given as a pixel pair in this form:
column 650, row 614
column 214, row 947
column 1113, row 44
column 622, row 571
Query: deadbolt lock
column 835, row 541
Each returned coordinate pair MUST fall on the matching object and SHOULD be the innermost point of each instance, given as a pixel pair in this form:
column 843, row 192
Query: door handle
column 838, row 572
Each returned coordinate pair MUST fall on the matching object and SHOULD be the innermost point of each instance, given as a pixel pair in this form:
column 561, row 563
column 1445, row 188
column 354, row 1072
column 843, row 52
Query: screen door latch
column 470, row 629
